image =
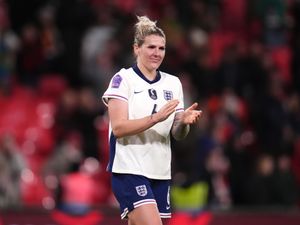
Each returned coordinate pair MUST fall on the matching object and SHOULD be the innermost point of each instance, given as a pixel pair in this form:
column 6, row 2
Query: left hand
column 191, row 115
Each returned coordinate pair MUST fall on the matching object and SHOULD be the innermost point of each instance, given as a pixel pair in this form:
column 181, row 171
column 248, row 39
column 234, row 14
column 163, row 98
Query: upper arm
column 117, row 111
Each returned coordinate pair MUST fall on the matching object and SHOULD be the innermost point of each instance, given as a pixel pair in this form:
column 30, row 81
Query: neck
column 149, row 74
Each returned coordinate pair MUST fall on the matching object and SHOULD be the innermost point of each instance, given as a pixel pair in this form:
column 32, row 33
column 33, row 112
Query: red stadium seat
column 282, row 58
column 92, row 218
column 218, row 42
column 51, row 86
column 181, row 218
column 233, row 15
column 33, row 189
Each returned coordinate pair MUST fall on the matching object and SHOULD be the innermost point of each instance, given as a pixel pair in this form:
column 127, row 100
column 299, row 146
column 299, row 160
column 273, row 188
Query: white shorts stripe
column 124, row 214
column 165, row 215
column 143, row 202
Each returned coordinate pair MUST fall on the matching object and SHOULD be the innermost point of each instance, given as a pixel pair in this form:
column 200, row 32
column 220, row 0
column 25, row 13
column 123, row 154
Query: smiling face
column 150, row 54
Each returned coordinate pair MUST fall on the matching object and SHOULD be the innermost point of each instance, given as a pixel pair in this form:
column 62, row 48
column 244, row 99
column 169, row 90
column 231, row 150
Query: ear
column 135, row 49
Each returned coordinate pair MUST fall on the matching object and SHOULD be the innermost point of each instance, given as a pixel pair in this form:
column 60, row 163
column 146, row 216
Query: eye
column 162, row 48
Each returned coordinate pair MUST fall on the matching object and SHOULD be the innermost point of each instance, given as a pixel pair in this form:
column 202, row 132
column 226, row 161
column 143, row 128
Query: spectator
column 12, row 163
column 259, row 189
column 51, row 39
column 30, row 58
column 98, row 51
column 285, row 186
column 89, row 110
column 66, row 153
column 65, row 116
column 218, row 166
column 72, row 198
column 75, row 195
column 9, row 46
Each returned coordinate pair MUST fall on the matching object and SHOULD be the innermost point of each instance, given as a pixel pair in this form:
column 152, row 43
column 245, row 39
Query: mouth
column 155, row 60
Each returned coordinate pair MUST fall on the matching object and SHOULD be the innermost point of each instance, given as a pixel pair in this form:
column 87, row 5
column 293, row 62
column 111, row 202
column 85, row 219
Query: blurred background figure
column 75, row 194
column 9, row 46
column 76, row 191
column 51, row 39
column 260, row 186
column 286, row 193
column 30, row 58
column 12, row 163
column 218, row 166
column 99, row 50
column 66, row 153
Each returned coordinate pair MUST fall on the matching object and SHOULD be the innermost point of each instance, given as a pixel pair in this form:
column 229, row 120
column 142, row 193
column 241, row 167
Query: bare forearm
column 179, row 130
column 123, row 126
column 131, row 127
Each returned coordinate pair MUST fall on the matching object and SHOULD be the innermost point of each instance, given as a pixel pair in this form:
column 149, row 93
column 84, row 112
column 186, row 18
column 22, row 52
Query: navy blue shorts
column 132, row 191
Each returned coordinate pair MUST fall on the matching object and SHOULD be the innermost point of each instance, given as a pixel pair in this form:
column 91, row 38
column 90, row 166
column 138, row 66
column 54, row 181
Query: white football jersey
column 147, row 153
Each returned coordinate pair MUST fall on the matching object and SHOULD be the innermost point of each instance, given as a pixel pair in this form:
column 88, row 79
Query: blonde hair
column 145, row 27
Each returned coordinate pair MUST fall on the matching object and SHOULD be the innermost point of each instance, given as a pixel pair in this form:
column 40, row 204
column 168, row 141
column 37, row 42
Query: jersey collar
column 141, row 75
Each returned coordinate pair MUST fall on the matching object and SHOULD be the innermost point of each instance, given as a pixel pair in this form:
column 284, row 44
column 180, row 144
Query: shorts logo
column 141, row 190
column 168, row 95
column 116, row 81
column 168, row 199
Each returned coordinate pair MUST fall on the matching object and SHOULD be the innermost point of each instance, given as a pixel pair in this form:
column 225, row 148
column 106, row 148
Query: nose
column 156, row 51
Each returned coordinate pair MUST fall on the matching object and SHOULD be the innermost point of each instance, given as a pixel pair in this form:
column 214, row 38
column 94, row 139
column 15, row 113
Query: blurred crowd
column 239, row 59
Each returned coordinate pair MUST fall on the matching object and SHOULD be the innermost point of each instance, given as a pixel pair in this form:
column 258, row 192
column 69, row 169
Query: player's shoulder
column 124, row 73
column 169, row 77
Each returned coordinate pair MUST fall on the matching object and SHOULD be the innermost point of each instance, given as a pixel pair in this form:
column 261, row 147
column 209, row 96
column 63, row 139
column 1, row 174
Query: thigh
column 145, row 215
column 132, row 192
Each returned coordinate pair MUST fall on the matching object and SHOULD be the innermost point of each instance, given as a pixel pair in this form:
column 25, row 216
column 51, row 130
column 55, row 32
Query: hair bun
column 145, row 21
column 145, row 27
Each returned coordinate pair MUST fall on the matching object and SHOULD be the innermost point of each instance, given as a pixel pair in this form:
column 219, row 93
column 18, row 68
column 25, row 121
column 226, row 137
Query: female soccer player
column 145, row 107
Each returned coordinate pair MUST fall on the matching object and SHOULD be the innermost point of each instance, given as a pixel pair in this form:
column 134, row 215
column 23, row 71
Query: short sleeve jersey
column 147, row 153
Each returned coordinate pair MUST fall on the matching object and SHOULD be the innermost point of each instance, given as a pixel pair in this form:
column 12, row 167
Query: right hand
column 166, row 110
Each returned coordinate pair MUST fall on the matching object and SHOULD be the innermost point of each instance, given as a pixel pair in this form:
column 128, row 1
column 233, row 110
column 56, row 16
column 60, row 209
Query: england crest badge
column 141, row 190
column 168, row 95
